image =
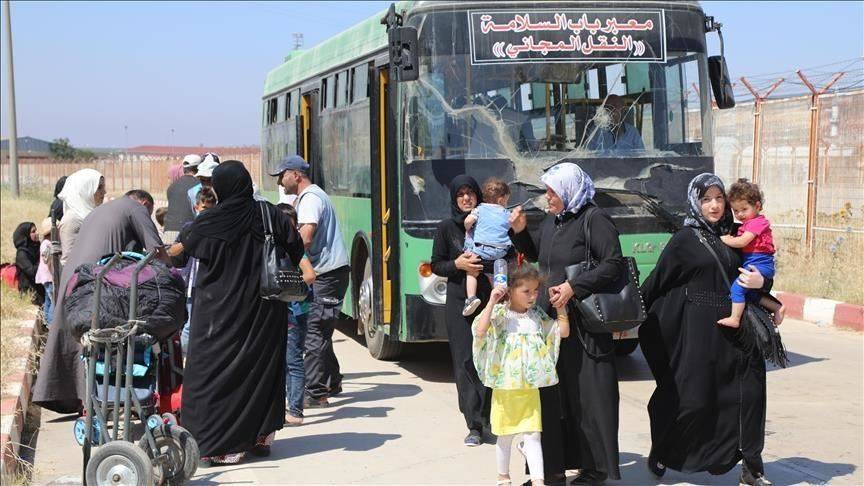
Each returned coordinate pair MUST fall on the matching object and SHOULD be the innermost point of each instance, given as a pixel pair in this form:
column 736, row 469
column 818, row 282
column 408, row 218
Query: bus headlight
column 433, row 288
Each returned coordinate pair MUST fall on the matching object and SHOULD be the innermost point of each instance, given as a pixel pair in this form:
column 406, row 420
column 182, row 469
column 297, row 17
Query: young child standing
column 44, row 273
column 486, row 234
column 515, row 351
column 295, row 369
column 754, row 238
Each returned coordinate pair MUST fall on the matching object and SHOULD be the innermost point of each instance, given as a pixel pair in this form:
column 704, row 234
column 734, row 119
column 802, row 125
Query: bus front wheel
column 380, row 345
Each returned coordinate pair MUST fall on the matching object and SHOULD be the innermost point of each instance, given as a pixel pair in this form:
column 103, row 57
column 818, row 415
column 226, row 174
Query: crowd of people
column 523, row 362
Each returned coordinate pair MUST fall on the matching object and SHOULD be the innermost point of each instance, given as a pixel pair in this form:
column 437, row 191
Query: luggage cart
column 166, row 453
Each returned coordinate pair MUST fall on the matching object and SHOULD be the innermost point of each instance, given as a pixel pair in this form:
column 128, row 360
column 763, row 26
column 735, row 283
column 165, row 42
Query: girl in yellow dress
column 515, row 350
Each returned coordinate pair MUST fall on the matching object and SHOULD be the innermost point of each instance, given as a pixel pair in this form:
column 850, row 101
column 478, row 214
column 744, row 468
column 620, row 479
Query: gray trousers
column 322, row 367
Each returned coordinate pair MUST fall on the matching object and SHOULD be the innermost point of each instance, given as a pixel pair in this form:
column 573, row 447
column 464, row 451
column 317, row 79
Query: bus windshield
column 534, row 114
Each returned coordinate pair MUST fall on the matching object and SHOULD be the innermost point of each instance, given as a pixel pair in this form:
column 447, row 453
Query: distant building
column 28, row 147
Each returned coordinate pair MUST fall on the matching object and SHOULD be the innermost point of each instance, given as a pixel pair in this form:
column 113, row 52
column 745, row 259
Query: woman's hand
column 560, row 295
column 517, row 220
column 751, row 279
column 497, row 294
column 469, row 263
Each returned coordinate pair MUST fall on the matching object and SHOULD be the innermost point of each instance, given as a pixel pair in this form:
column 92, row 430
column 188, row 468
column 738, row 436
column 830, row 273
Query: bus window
column 271, row 111
column 294, row 104
column 288, row 105
column 280, row 108
column 360, row 84
column 341, row 89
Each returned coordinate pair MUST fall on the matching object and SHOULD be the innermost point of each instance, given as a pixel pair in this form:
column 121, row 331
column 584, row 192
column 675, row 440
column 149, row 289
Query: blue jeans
column 184, row 334
column 295, row 371
column 48, row 306
column 764, row 263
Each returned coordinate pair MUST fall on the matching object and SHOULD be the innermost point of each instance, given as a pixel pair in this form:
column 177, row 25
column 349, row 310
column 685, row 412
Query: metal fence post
column 813, row 157
column 757, row 124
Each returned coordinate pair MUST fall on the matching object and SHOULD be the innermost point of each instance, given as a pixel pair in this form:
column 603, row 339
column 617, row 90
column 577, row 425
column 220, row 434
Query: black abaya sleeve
column 286, row 235
column 669, row 272
column 527, row 242
column 606, row 250
column 25, row 265
column 442, row 264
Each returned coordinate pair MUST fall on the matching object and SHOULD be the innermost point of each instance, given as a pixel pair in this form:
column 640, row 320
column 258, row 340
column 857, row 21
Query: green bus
column 390, row 110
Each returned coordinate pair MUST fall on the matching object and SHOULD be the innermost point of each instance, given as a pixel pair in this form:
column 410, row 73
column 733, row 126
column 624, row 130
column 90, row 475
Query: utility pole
column 13, row 127
column 298, row 40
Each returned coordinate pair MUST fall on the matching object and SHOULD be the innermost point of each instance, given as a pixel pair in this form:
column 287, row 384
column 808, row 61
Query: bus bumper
column 425, row 322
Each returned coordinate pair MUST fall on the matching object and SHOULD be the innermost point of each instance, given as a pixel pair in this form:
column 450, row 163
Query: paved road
column 396, row 423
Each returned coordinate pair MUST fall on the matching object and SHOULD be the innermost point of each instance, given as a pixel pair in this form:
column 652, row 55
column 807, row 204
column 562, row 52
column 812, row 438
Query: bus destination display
column 510, row 36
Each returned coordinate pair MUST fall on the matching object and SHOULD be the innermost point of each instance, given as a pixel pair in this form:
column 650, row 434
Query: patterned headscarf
column 571, row 184
column 695, row 191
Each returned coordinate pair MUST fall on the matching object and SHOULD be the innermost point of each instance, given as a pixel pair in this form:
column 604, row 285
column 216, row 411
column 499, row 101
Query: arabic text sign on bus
column 567, row 36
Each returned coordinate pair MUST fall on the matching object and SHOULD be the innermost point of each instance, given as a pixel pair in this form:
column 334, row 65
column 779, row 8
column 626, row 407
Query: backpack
column 9, row 274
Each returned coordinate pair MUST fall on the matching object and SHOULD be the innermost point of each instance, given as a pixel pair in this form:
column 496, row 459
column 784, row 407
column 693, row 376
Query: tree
column 61, row 149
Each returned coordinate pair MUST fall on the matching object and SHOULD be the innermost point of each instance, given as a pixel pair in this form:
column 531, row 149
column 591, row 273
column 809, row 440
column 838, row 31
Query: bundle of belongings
column 161, row 298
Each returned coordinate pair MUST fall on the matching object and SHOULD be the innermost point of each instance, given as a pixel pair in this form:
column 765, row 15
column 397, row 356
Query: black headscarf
column 234, row 214
column 21, row 239
column 457, row 183
column 695, row 191
column 56, row 211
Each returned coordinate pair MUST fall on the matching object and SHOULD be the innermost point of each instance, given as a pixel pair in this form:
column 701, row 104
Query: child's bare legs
column 735, row 319
column 471, row 285
column 471, row 302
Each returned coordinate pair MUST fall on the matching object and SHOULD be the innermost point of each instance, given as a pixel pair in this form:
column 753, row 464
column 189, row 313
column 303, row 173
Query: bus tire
column 624, row 347
column 380, row 345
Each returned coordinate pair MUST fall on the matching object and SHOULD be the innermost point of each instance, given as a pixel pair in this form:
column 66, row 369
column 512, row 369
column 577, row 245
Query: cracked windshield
column 496, row 97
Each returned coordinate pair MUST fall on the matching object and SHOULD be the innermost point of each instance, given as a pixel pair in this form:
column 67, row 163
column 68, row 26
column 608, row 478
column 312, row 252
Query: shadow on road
column 313, row 444
column 378, row 391
column 348, row 413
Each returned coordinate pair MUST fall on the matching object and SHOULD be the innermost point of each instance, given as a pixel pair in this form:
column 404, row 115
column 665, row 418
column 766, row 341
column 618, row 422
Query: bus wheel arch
column 360, row 252
column 380, row 345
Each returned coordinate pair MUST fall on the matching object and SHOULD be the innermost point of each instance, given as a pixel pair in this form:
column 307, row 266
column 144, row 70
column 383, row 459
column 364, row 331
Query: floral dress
column 515, row 358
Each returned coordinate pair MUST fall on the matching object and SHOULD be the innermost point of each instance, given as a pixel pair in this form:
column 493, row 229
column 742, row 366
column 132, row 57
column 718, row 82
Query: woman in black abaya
column 451, row 261
column 580, row 414
column 234, row 381
column 708, row 410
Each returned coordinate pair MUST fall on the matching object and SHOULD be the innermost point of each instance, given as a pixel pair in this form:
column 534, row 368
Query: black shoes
column 753, row 479
column 589, row 478
column 310, row 402
column 657, row 469
column 473, row 439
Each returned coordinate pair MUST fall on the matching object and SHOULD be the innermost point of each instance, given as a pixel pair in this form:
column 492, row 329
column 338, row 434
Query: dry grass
column 32, row 206
column 834, row 271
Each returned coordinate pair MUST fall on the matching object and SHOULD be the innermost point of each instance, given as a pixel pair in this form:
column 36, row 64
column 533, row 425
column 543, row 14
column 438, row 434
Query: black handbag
column 757, row 326
column 280, row 278
column 617, row 308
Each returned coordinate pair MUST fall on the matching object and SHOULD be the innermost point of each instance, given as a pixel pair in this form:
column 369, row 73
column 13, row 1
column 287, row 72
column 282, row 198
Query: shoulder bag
column 614, row 309
column 280, row 278
column 757, row 326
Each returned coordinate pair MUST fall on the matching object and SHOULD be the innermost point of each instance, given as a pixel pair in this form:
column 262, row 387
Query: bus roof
column 369, row 36
column 361, row 39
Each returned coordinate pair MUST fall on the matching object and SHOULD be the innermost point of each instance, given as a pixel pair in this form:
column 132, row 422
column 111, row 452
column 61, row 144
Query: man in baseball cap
column 322, row 237
column 191, row 161
column 205, row 176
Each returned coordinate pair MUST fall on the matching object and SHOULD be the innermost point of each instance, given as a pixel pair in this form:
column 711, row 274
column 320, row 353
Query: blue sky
column 83, row 70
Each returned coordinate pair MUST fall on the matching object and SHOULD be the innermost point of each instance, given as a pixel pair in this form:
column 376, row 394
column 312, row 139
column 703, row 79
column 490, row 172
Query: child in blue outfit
column 295, row 370
column 486, row 234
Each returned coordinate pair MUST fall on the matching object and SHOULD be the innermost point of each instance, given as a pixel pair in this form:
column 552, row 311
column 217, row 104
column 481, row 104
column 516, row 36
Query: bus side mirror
column 717, row 70
column 720, row 83
column 403, row 54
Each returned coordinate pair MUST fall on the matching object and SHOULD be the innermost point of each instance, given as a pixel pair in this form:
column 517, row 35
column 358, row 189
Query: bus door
column 385, row 203
column 308, row 133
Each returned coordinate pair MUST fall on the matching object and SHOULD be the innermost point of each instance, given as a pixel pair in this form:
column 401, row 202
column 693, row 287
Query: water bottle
column 500, row 273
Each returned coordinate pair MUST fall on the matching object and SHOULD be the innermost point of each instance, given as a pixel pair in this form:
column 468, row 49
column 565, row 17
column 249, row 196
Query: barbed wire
column 792, row 85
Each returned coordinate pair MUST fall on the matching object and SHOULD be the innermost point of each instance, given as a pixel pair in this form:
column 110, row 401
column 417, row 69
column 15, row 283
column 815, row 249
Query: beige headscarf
column 77, row 193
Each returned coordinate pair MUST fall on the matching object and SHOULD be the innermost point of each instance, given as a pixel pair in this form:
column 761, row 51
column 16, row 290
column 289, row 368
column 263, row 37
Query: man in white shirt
column 325, row 248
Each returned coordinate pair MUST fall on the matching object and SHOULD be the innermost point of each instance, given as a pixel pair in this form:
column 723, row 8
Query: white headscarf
column 77, row 193
column 571, row 184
